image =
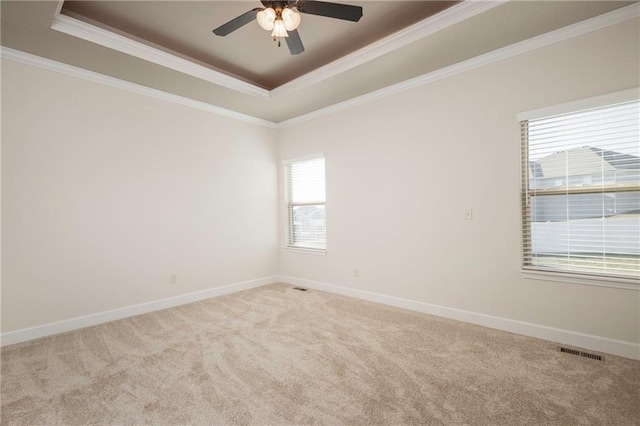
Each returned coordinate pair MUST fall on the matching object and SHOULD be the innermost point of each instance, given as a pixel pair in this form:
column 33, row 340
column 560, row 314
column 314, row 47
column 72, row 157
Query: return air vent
column 300, row 289
column 582, row 354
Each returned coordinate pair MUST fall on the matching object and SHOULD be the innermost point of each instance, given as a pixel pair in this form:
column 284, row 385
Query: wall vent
column 300, row 289
column 582, row 354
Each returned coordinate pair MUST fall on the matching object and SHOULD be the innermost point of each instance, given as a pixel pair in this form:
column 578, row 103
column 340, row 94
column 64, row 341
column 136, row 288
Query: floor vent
column 582, row 354
column 300, row 289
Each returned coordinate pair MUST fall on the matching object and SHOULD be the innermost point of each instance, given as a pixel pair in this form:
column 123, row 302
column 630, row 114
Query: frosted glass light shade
column 266, row 18
column 291, row 19
column 279, row 29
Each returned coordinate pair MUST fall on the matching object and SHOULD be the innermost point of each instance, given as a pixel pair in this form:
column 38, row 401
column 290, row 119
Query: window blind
column 581, row 192
column 306, row 216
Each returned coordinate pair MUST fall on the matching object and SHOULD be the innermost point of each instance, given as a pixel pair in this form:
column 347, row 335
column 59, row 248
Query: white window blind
column 581, row 192
column 306, row 217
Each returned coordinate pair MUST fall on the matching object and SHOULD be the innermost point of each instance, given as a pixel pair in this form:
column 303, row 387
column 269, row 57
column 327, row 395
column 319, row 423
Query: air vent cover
column 582, row 354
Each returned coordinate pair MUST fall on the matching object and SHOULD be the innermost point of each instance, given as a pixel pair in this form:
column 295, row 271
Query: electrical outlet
column 173, row 279
column 356, row 273
column 468, row 213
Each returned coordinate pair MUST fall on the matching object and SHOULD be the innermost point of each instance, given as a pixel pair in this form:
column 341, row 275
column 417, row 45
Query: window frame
column 290, row 205
column 550, row 274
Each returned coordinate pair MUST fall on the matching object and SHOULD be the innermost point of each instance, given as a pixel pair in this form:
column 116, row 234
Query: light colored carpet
column 276, row 356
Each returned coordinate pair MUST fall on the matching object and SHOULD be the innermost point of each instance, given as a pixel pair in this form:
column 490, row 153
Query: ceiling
column 169, row 46
column 250, row 52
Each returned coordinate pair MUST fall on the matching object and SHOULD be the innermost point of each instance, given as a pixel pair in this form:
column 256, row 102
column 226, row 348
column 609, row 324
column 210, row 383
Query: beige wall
column 401, row 171
column 106, row 193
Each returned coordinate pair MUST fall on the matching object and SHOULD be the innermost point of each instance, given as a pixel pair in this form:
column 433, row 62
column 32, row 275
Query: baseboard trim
column 25, row 334
column 582, row 340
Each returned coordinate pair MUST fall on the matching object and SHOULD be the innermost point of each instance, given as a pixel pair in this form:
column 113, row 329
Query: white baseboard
column 582, row 340
column 31, row 333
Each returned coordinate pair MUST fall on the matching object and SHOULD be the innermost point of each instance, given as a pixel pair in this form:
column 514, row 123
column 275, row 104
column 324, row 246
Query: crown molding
column 58, row 8
column 431, row 25
column 608, row 19
column 128, row 44
column 90, row 31
column 66, row 69
column 593, row 24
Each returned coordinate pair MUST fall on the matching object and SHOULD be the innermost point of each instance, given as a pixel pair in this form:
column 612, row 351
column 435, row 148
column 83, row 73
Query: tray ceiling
column 250, row 53
column 169, row 46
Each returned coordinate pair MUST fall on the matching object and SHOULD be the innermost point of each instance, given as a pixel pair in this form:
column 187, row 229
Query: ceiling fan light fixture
column 266, row 18
column 291, row 19
column 279, row 29
column 280, row 16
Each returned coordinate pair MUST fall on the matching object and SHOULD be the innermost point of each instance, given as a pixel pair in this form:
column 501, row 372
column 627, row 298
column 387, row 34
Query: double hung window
column 581, row 191
column 305, row 198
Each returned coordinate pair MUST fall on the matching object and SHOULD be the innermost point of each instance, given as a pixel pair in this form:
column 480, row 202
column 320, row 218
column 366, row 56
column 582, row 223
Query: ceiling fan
column 280, row 18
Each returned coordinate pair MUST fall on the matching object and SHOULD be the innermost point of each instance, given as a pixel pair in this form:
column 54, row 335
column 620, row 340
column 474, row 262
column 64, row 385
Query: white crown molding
column 451, row 16
column 85, row 29
column 568, row 337
column 608, row 19
column 58, row 8
column 127, row 44
column 59, row 67
column 31, row 333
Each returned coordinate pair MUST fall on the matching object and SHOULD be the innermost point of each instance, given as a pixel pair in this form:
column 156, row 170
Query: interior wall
column 401, row 170
column 107, row 193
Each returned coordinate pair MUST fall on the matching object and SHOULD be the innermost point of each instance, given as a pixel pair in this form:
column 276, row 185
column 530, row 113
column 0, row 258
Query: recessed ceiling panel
column 186, row 27
column 461, row 33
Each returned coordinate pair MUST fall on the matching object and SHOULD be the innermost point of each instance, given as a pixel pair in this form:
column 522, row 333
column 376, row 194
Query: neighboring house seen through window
column 581, row 192
column 305, row 194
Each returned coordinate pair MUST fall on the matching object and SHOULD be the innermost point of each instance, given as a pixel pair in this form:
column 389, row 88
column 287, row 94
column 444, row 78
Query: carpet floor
column 277, row 356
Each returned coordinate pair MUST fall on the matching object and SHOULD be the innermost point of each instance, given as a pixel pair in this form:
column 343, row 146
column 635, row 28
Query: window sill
column 313, row 252
column 571, row 278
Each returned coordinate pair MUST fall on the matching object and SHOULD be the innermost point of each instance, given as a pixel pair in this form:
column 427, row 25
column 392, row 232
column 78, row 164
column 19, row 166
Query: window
column 581, row 191
column 305, row 194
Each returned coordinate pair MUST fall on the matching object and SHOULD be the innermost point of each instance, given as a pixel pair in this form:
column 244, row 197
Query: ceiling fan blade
column 294, row 43
column 236, row 23
column 331, row 10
